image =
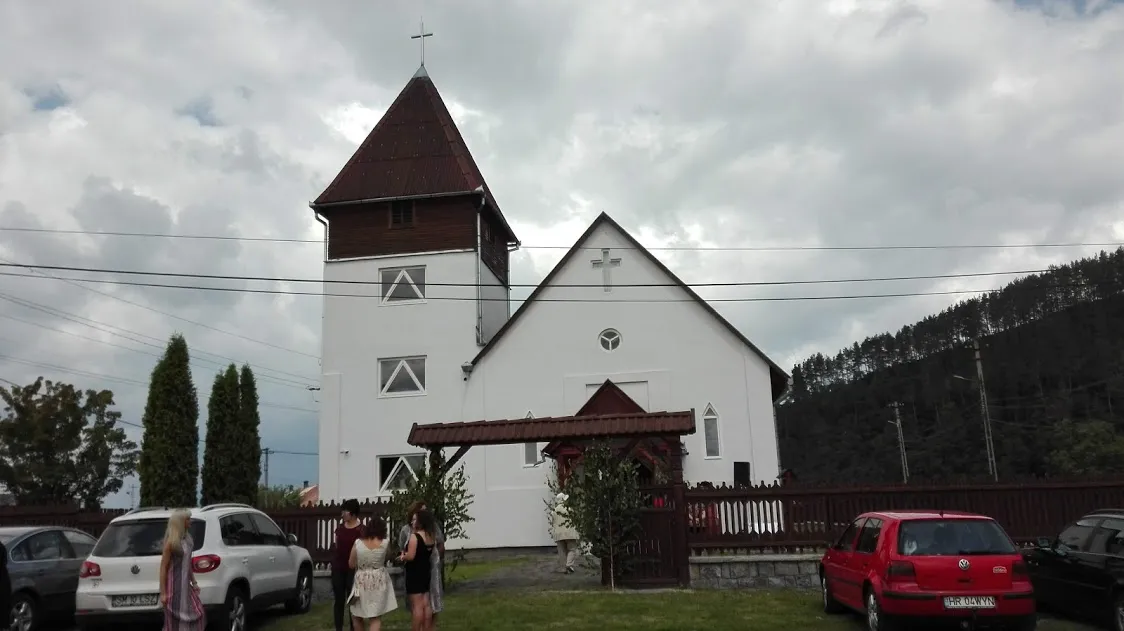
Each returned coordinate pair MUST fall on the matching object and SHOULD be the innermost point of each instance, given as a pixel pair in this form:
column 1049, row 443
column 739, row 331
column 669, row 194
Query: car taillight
column 1019, row 570
column 89, row 570
column 205, row 563
column 900, row 571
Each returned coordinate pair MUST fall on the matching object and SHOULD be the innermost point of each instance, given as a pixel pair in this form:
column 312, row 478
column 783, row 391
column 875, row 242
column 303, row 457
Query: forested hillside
column 1053, row 358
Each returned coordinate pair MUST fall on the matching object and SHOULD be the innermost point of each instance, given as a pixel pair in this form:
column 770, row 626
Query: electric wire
column 129, row 381
column 174, row 316
column 127, row 333
column 282, row 292
column 263, row 377
column 279, row 279
column 788, row 248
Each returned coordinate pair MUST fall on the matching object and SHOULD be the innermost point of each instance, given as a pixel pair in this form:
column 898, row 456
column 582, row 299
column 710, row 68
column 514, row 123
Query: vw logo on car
column 964, row 565
column 136, row 569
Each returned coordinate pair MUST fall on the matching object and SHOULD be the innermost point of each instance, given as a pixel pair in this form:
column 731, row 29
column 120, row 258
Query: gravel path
column 536, row 572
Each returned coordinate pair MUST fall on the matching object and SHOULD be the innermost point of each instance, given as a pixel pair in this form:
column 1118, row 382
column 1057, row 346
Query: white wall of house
column 359, row 422
column 672, row 355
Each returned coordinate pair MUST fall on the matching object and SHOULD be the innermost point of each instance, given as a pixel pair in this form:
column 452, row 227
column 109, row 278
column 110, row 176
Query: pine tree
column 249, row 437
column 220, row 454
column 169, row 459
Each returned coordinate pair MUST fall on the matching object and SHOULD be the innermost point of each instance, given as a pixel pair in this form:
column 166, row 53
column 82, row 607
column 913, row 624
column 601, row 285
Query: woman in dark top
column 342, row 574
column 5, row 589
column 418, row 571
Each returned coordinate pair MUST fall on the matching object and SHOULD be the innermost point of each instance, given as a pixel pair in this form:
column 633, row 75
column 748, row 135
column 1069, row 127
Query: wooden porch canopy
column 634, row 426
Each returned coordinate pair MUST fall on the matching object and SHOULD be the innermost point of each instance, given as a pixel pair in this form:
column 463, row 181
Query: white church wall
column 494, row 307
column 669, row 347
column 358, row 332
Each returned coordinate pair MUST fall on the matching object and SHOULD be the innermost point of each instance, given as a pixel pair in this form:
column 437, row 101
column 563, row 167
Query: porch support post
column 679, row 544
column 461, row 451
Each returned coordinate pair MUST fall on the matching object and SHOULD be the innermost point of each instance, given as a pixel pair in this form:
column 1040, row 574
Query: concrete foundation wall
column 759, row 571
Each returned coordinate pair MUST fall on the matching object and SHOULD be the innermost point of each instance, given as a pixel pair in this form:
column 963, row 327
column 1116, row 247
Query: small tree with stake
column 446, row 496
column 603, row 501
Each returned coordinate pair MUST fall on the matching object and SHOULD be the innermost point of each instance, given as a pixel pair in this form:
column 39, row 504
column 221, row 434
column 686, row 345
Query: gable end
column 778, row 378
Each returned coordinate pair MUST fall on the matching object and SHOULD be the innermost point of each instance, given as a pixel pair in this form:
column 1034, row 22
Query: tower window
column 401, row 376
column 401, row 213
column 402, row 284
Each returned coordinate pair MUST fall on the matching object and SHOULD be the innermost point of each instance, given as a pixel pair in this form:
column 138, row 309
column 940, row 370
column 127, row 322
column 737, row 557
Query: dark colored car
column 902, row 569
column 43, row 564
column 1081, row 571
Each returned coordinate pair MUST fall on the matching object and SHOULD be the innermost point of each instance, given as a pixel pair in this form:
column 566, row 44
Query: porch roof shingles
column 546, row 429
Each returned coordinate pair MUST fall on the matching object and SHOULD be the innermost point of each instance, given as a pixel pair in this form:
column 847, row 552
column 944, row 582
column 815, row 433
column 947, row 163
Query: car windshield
column 140, row 538
column 952, row 537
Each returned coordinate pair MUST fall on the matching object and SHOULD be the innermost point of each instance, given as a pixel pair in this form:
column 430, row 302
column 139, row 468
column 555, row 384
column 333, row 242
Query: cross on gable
column 605, row 264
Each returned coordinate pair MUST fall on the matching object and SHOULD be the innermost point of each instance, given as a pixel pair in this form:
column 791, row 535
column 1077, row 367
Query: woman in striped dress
column 179, row 594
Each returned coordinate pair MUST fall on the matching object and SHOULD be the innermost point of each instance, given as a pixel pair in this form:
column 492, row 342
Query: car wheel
column 24, row 616
column 830, row 605
column 302, row 600
column 1118, row 612
column 235, row 610
column 876, row 620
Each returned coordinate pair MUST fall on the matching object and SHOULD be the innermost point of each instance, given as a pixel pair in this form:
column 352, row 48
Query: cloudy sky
column 697, row 124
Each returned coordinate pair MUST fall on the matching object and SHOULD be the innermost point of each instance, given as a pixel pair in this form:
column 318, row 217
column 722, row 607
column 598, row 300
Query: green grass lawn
column 771, row 610
column 468, row 571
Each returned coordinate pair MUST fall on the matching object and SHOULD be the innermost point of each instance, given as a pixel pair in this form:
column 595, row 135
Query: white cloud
column 717, row 123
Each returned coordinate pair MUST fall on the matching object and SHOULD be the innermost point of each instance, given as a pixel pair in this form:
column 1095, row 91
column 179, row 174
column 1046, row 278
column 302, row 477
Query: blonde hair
column 177, row 528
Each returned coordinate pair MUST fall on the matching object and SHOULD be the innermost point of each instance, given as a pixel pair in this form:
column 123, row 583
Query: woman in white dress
column 372, row 593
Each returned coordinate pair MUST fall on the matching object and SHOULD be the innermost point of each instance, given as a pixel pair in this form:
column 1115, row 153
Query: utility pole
column 985, row 414
column 265, row 454
column 132, row 496
column 897, row 422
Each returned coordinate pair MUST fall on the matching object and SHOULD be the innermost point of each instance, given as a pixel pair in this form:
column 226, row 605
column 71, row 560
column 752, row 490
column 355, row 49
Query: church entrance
column 653, row 440
column 653, row 560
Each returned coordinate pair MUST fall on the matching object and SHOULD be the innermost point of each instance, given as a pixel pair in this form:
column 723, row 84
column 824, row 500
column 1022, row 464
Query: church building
column 418, row 329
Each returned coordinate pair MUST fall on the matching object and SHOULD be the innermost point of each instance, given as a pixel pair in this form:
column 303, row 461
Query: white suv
column 242, row 562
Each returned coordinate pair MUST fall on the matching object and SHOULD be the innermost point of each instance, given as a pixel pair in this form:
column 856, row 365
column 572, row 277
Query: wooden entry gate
column 658, row 557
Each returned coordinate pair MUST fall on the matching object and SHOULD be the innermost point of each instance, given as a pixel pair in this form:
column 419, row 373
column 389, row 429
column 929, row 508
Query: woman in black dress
column 417, row 570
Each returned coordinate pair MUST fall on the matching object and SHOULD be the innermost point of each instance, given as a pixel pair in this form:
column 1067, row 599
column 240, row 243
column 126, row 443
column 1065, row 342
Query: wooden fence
column 730, row 520
column 804, row 518
column 314, row 526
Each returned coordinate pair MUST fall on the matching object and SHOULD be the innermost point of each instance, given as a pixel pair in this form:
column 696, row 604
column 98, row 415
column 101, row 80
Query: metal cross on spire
column 421, row 36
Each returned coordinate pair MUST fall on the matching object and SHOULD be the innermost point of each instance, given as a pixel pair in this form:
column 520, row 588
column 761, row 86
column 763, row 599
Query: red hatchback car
column 905, row 568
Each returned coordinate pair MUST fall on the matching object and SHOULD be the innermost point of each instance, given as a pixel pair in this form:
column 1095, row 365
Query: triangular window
column 402, row 284
column 402, row 376
column 399, row 472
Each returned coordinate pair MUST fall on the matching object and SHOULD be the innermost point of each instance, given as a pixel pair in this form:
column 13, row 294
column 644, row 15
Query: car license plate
column 969, row 602
column 136, row 600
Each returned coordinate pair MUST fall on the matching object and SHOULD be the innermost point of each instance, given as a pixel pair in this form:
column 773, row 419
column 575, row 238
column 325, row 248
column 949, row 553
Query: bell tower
column 416, row 281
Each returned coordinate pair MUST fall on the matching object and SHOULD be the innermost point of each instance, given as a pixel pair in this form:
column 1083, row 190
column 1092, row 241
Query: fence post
column 679, row 523
column 679, row 534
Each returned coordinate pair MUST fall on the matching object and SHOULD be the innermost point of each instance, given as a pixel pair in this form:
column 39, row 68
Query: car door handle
column 272, row 558
column 245, row 560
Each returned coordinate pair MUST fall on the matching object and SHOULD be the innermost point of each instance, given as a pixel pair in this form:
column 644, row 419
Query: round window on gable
column 610, row 339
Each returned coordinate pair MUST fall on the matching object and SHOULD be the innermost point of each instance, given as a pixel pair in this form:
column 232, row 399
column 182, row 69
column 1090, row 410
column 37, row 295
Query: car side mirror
column 292, row 539
column 1044, row 542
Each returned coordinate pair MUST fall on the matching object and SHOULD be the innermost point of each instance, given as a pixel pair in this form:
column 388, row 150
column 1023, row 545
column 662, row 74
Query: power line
column 173, row 316
column 263, row 377
column 789, row 248
column 126, row 333
column 129, row 381
column 276, row 279
column 282, row 292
